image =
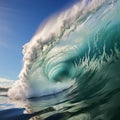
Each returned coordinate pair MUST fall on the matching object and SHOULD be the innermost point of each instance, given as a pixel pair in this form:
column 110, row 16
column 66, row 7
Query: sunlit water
column 73, row 72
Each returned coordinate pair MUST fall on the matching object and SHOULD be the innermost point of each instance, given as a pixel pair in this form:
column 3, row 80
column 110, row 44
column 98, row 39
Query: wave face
column 70, row 49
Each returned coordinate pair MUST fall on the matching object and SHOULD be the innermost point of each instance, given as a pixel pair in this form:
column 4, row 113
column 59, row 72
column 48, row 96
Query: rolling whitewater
column 71, row 68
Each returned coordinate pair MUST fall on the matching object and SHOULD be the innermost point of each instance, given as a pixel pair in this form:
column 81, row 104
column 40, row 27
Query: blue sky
column 19, row 19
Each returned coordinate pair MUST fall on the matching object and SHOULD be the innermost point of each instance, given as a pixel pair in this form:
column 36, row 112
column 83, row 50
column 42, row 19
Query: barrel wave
column 77, row 49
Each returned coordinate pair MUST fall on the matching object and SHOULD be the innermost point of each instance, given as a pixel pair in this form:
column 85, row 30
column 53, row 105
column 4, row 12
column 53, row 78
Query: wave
column 81, row 38
column 4, row 86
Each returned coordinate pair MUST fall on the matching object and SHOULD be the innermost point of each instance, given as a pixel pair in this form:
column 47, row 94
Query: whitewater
column 74, row 57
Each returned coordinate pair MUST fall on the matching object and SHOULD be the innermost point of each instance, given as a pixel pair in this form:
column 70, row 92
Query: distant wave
column 3, row 89
column 5, row 85
column 82, row 38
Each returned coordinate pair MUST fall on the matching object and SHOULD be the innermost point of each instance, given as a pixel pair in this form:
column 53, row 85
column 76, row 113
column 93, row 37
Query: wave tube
column 52, row 56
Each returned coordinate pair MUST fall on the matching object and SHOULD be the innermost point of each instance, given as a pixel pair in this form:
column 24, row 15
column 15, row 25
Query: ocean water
column 71, row 68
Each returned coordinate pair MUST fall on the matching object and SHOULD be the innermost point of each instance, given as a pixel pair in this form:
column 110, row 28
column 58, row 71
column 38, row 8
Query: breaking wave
column 80, row 41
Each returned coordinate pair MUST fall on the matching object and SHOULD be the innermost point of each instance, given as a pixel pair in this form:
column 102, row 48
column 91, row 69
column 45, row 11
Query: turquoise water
column 73, row 72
